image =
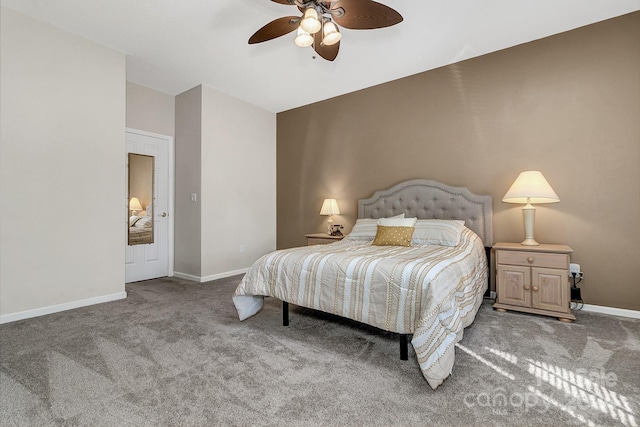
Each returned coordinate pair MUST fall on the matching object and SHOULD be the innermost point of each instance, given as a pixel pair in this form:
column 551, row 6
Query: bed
column 140, row 230
column 430, row 289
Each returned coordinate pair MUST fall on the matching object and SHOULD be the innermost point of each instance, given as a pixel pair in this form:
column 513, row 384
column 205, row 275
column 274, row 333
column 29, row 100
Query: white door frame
column 171, row 190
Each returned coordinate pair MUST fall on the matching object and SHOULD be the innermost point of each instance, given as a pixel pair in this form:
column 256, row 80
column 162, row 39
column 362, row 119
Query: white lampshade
column 530, row 187
column 303, row 39
column 134, row 204
column 310, row 22
column 329, row 207
column 331, row 35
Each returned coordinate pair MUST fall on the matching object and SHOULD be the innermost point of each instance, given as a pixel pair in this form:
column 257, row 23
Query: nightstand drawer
column 533, row 259
column 318, row 241
column 322, row 239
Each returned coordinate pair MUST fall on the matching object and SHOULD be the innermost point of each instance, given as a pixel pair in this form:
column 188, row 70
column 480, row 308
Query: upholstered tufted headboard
column 426, row 199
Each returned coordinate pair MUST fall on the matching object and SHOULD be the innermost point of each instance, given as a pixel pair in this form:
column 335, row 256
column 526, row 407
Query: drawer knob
column 526, row 287
column 535, row 289
column 530, row 259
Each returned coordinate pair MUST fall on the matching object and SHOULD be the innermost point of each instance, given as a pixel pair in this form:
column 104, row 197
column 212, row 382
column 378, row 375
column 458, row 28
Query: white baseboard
column 13, row 317
column 635, row 314
column 203, row 279
column 186, row 276
column 224, row 275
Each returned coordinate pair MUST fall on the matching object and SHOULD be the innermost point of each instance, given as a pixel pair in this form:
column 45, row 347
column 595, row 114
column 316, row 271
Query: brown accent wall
column 567, row 105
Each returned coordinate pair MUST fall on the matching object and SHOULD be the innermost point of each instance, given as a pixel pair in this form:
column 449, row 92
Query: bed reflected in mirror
column 140, row 229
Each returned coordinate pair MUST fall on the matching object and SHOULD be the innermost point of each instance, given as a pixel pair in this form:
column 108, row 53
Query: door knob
column 163, row 214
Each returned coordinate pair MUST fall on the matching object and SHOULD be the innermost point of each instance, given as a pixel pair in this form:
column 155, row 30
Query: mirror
column 140, row 230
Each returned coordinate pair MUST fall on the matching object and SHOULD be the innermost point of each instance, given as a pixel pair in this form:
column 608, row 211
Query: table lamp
column 134, row 205
column 530, row 187
column 330, row 207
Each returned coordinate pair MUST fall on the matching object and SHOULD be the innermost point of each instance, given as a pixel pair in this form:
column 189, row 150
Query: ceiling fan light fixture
column 310, row 22
column 303, row 39
column 331, row 35
column 319, row 23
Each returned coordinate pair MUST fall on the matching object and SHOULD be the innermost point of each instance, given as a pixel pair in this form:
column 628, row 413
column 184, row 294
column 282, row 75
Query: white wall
column 226, row 153
column 187, row 217
column 61, row 169
column 238, row 183
column 150, row 110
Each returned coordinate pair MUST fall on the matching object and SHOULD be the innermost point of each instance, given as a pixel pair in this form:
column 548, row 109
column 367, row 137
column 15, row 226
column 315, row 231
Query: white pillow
column 365, row 228
column 437, row 232
column 144, row 222
column 132, row 220
column 397, row 222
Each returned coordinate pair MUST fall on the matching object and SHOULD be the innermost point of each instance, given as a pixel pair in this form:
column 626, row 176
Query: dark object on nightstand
column 335, row 230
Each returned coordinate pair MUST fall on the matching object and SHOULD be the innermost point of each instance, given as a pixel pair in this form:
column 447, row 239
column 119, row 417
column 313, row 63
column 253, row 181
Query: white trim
column 186, row 276
column 199, row 279
column 13, row 317
column 224, row 275
column 171, row 190
column 613, row 311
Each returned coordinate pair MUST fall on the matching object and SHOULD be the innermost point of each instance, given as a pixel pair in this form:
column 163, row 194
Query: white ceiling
column 174, row 45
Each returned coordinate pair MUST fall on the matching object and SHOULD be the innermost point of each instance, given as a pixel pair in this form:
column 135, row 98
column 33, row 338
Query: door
column 514, row 284
column 550, row 289
column 150, row 260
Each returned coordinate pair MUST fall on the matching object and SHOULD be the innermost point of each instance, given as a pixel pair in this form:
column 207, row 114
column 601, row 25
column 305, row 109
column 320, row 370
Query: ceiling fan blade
column 287, row 2
column 327, row 52
column 276, row 28
column 364, row 14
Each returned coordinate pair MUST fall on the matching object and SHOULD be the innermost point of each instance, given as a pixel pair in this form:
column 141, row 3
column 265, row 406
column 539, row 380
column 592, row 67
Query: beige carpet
column 174, row 354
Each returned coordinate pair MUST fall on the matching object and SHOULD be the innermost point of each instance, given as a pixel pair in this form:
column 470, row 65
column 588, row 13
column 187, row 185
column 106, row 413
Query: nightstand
column 533, row 279
column 321, row 239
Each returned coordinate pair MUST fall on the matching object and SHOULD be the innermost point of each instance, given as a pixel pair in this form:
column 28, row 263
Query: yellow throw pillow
column 393, row 236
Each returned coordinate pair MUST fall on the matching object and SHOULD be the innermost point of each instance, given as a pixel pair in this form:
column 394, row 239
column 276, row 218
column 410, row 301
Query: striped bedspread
column 430, row 291
column 140, row 235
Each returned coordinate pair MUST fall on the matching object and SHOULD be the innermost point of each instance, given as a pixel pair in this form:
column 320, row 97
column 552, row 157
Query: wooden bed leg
column 404, row 347
column 285, row 313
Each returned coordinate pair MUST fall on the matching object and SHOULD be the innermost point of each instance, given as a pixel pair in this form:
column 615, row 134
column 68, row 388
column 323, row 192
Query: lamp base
column 529, row 216
column 529, row 242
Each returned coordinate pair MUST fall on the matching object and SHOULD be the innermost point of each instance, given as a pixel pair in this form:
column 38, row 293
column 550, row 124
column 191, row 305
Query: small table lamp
column 134, row 205
column 330, row 207
column 530, row 187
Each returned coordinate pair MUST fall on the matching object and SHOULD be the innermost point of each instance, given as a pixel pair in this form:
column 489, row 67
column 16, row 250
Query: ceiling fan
column 316, row 26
